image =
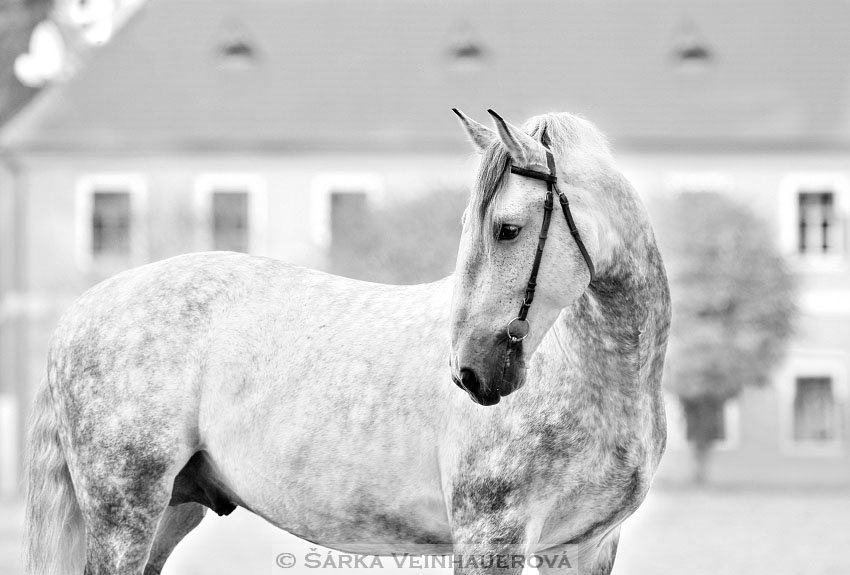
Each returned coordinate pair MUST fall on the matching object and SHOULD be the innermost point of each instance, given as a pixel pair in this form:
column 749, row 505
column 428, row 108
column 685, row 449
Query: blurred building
column 256, row 124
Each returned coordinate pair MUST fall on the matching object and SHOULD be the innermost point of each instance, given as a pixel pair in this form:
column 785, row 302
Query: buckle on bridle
column 521, row 328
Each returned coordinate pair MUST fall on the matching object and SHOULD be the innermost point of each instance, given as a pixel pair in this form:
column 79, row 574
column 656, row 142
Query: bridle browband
column 518, row 328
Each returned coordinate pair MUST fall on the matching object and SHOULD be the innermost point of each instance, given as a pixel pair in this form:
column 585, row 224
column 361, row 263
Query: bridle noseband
column 518, row 328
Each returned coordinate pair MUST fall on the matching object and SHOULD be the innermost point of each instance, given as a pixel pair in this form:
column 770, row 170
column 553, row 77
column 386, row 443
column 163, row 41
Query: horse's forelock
column 565, row 134
column 495, row 163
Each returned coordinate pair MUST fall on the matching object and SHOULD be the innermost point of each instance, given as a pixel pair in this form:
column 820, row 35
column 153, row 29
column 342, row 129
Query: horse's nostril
column 468, row 380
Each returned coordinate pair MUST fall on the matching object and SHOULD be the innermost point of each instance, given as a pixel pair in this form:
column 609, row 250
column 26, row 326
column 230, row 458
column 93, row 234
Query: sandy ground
column 675, row 532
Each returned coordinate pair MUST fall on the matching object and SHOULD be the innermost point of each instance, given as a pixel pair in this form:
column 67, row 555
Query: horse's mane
column 565, row 134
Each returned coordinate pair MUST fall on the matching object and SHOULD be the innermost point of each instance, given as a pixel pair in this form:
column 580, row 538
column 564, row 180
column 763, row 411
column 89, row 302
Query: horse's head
column 495, row 327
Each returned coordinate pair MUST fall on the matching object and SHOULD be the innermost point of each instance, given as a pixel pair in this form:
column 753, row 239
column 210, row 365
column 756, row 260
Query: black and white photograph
column 294, row 287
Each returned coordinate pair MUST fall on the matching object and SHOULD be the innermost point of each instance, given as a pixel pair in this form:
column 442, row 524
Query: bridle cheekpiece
column 518, row 328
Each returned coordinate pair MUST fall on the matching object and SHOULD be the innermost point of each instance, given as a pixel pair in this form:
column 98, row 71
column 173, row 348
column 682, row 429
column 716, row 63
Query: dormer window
column 691, row 51
column 466, row 52
column 469, row 51
column 236, row 47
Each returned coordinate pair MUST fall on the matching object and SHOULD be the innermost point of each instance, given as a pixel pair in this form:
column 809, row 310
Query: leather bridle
column 518, row 328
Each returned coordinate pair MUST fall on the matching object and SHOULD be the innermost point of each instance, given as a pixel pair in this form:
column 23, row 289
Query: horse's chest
column 589, row 508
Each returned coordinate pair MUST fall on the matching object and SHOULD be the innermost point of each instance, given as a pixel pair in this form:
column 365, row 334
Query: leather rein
column 519, row 328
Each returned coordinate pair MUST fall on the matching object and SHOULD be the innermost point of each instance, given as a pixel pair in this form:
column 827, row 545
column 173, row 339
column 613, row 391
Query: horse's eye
column 508, row 232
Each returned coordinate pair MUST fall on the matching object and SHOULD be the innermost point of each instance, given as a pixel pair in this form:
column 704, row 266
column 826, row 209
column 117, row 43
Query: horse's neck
column 623, row 318
column 611, row 344
column 601, row 333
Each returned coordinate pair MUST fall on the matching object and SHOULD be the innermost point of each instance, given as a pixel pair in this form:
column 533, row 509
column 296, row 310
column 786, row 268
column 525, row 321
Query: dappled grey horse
column 326, row 405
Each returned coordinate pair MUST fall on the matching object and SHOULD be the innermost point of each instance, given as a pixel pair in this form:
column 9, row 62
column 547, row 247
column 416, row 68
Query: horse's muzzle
column 502, row 374
column 470, row 383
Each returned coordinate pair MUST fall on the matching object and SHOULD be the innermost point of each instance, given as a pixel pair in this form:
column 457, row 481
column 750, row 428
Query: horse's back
column 155, row 314
column 182, row 292
column 156, row 330
column 153, row 317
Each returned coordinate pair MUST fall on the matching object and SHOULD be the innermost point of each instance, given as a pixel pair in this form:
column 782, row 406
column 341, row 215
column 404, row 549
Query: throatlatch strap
column 565, row 207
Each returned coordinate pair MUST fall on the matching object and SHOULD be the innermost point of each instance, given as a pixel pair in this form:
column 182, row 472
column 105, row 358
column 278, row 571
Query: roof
column 322, row 74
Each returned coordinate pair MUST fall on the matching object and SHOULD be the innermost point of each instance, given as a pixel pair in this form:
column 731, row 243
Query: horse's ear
column 480, row 134
column 522, row 147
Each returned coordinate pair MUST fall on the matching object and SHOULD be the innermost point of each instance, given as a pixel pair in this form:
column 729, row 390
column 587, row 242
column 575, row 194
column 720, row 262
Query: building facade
column 251, row 125
column 796, row 430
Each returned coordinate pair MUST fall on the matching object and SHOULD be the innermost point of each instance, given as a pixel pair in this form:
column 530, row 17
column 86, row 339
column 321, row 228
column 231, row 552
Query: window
column 337, row 200
column 350, row 227
column 813, row 394
column 230, row 225
column 111, row 221
column 819, row 232
column 813, row 219
column 814, row 409
column 231, row 212
column 111, row 224
column 347, row 209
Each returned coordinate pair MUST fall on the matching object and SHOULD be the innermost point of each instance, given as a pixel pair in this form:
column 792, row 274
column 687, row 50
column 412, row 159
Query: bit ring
column 518, row 329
